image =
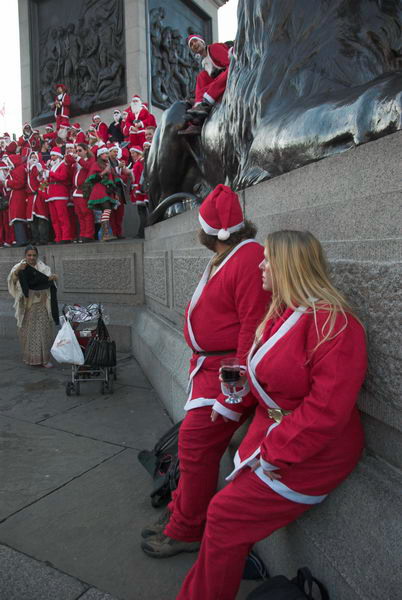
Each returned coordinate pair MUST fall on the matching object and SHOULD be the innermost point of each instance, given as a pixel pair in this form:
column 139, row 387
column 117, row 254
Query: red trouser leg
column 203, row 81
column 116, row 221
column 54, row 219
column 3, row 217
column 73, row 222
column 244, row 512
column 201, row 446
column 63, row 216
column 9, row 231
column 214, row 91
column 85, row 217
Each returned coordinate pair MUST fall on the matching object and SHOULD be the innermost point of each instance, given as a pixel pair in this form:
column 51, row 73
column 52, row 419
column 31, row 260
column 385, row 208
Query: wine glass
column 230, row 376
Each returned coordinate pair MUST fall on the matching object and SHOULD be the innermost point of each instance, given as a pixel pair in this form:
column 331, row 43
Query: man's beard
column 136, row 107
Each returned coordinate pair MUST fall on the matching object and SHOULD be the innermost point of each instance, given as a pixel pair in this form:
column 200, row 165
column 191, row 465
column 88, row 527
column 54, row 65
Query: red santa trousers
column 6, row 232
column 85, row 217
column 73, row 221
column 116, row 221
column 244, row 512
column 214, row 91
column 60, row 218
column 201, row 446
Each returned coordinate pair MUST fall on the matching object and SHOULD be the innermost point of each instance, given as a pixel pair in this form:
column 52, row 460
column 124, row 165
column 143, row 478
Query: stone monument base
column 351, row 203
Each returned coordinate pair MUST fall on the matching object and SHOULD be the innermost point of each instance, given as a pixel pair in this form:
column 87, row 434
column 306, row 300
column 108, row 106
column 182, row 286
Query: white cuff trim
column 226, row 412
column 209, row 98
column 266, row 466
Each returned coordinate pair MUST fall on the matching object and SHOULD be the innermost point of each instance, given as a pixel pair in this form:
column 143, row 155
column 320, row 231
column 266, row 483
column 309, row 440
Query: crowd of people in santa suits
column 64, row 184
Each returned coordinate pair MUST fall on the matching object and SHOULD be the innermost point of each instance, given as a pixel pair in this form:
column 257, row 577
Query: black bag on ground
column 254, row 568
column 162, row 463
column 101, row 350
column 299, row 588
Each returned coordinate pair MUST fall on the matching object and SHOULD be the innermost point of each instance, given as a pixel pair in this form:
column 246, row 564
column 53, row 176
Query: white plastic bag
column 66, row 348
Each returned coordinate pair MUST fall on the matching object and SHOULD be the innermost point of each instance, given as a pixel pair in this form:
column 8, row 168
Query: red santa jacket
column 80, row 174
column 219, row 54
column 59, row 182
column 64, row 109
column 144, row 116
column 16, row 182
column 81, row 138
column 223, row 315
column 138, row 195
column 319, row 443
column 102, row 131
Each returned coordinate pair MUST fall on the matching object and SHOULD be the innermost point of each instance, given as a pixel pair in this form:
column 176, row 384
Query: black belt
column 214, row 353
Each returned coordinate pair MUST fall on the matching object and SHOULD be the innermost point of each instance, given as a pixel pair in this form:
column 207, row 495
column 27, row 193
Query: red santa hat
column 56, row 152
column 70, row 145
column 136, row 149
column 95, row 117
column 26, row 125
column 136, row 97
column 11, row 148
column 76, row 126
column 195, row 36
column 49, row 127
column 102, row 150
column 6, row 134
column 62, row 85
column 36, row 131
column 146, row 145
column 220, row 213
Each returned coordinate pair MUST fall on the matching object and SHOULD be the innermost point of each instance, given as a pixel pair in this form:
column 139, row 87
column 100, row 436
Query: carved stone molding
column 156, row 277
column 105, row 275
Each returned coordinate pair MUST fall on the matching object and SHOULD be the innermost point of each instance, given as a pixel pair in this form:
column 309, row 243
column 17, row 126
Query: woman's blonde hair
column 300, row 278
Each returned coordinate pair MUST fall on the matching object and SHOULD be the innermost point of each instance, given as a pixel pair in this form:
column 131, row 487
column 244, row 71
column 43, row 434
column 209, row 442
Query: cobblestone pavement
column 73, row 496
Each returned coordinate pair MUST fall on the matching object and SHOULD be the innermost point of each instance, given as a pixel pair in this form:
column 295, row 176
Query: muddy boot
column 158, row 526
column 163, row 546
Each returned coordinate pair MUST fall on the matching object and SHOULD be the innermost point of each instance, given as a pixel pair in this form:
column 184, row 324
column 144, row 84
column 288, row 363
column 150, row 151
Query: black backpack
column 162, row 463
column 282, row 588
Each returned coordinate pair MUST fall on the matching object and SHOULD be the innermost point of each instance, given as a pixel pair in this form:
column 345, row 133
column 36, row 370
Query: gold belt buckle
column 277, row 414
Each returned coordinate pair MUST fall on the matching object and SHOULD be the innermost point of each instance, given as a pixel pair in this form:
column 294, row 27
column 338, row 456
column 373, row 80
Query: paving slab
column 35, row 460
column 40, row 402
column 94, row 594
column 133, row 417
column 23, row 578
column 91, row 530
column 130, row 373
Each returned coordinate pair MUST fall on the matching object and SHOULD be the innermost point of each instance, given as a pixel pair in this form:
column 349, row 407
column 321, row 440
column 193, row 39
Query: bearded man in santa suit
column 16, row 184
column 211, row 82
column 221, row 319
column 37, row 209
column 6, row 232
column 29, row 138
column 59, row 196
column 61, row 106
column 101, row 128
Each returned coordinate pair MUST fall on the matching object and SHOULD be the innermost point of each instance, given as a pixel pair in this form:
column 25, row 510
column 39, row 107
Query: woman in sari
column 31, row 284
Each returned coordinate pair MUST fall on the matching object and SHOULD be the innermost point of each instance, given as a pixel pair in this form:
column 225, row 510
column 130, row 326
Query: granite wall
column 352, row 203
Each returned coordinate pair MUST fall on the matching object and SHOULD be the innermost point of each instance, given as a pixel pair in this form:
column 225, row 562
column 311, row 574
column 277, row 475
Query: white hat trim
column 56, row 153
column 219, row 232
column 102, row 150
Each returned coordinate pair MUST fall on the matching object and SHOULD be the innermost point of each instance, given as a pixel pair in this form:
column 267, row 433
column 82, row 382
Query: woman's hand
column 21, row 267
column 53, row 277
column 272, row 475
column 215, row 415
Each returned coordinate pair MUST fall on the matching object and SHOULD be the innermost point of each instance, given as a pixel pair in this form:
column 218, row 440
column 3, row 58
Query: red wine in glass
column 230, row 375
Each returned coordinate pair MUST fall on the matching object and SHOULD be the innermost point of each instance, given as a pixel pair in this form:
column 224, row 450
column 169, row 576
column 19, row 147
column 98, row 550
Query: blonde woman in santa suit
column 305, row 370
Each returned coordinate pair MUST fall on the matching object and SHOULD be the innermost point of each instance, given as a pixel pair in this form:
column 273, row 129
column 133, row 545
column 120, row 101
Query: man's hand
column 53, row 277
column 272, row 475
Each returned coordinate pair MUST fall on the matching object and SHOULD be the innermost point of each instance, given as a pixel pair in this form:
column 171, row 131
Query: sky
column 10, row 90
